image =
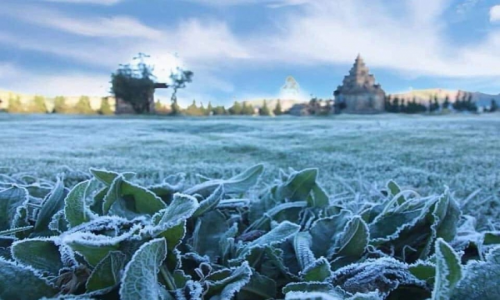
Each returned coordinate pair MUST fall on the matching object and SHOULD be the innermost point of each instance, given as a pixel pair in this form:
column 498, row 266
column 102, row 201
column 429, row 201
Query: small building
column 301, row 109
column 359, row 94
column 122, row 107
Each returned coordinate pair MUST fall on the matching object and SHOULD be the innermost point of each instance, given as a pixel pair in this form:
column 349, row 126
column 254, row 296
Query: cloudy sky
column 241, row 49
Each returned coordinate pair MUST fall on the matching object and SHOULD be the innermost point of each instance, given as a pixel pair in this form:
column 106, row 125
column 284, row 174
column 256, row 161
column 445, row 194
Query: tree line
column 38, row 105
column 237, row 109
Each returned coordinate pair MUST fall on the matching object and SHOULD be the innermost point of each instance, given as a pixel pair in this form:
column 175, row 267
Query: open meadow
column 421, row 152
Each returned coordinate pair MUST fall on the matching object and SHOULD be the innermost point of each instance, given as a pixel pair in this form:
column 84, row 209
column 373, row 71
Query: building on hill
column 359, row 93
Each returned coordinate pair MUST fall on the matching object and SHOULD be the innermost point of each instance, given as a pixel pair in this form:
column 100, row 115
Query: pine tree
column 210, row 109
column 105, row 108
column 403, row 108
column 493, row 106
column 446, row 103
column 247, row 109
column 83, row 106
column 15, row 105
column 395, row 105
column 175, row 109
column 387, row 103
column 60, row 106
column 236, row 109
column 38, row 105
column 194, row 110
column 277, row 110
column 264, row 110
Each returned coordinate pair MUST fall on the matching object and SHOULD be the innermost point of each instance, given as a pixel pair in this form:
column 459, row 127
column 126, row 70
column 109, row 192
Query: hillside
column 423, row 96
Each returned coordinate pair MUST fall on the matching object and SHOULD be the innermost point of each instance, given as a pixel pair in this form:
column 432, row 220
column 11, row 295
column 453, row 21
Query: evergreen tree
column 435, row 105
column 175, row 109
column 236, row 109
column 60, row 106
column 220, row 110
column 493, row 106
column 395, row 105
column 247, row 109
column 403, row 107
column 15, row 105
column 264, row 110
column 83, row 106
column 446, row 103
column 210, row 109
column 277, row 110
column 38, row 105
column 387, row 103
column 105, row 108
column 193, row 110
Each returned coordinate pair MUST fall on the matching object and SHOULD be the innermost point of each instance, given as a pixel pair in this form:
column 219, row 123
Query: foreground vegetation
column 106, row 237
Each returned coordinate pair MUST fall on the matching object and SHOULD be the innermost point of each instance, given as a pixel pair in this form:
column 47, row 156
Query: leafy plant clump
column 110, row 238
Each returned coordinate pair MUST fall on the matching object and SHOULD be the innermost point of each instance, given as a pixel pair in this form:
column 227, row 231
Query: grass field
column 426, row 153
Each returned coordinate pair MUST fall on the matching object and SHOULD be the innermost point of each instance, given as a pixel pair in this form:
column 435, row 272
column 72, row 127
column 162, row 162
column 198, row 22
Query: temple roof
column 359, row 80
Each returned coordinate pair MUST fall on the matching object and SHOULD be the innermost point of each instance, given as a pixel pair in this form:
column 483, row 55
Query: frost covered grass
column 424, row 153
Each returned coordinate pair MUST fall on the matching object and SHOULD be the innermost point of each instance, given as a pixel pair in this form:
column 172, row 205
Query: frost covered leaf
column 317, row 271
column 260, row 287
column 225, row 283
column 301, row 245
column 181, row 208
column 395, row 190
column 211, row 202
column 383, row 274
column 107, row 177
column 76, row 211
column 50, row 206
column 299, row 185
column 10, row 200
column 140, row 276
column 235, row 185
column 448, row 271
column 191, row 291
column 107, row 273
column 354, row 239
column 318, row 197
column 481, row 280
column 325, row 232
column 20, row 282
column 209, row 230
column 311, row 296
column 322, row 287
column 130, row 200
column 41, row 254
column 425, row 271
column 277, row 235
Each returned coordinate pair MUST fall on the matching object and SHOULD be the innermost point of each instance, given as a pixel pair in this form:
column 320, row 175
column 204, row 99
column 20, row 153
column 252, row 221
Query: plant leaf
column 299, row 185
column 107, row 273
column 76, row 211
column 41, row 254
column 448, row 271
column 51, row 205
column 10, row 200
column 140, row 276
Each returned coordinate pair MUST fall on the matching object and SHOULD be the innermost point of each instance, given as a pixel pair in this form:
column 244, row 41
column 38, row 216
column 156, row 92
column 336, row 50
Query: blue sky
column 244, row 49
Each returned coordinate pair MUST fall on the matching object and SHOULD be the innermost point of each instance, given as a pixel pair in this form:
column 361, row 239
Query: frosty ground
column 421, row 152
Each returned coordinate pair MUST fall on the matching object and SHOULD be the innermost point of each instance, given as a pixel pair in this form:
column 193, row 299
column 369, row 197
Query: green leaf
column 107, row 177
column 317, row 271
column 448, row 271
column 394, row 189
column 325, row 232
column 298, row 295
column 180, row 209
column 210, row 203
column 19, row 282
column 319, row 197
column 76, row 211
column 238, row 184
column 299, row 185
column 10, row 200
column 107, row 273
column 425, row 271
column 140, row 276
column 51, row 205
column 260, row 287
column 481, row 280
column 41, row 254
column 225, row 283
column 323, row 287
column 209, row 230
column 353, row 242
column 301, row 245
column 124, row 196
column 277, row 235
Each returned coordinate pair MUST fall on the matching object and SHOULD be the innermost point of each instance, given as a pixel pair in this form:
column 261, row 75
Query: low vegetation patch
column 108, row 237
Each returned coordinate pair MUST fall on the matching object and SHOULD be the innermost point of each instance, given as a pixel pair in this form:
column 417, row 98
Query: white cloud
column 269, row 3
column 495, row 13
column 112, row 27
column 100, row 2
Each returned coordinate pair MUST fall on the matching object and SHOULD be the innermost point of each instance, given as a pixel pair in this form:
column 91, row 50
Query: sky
column 245, row 49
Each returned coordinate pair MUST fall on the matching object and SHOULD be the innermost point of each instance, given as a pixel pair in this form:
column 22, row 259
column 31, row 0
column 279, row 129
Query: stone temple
column 359, row 94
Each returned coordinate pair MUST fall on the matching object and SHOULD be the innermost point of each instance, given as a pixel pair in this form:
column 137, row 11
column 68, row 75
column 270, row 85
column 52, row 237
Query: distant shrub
column 15, row 105
column 38, row 105
column 83, row 106
column 105, row 108
column 61, row 107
